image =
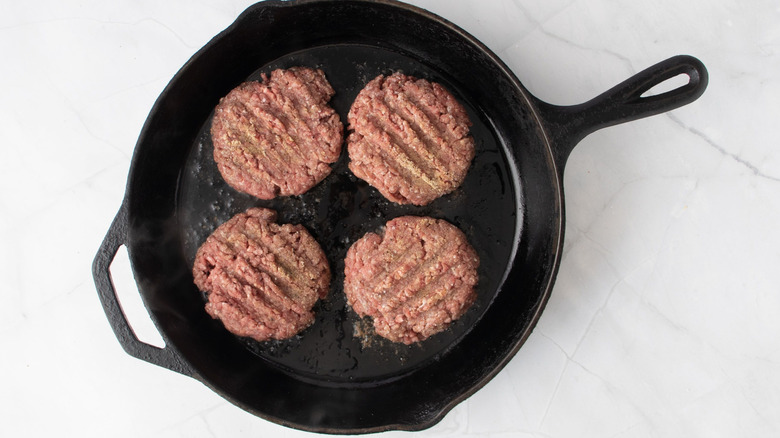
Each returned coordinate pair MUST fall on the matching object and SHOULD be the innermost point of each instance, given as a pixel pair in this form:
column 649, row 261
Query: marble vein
column 557, row 382
column 598, row 312
column 755, row 410
column 27, row 309
column 84, row 183
column 540, row 26
column 169, row 29
column 750, row 166
column 532, row 17
column 132, row 87
column 106, row 22
column 616, row 391
column 92, row 134
column 201, row 414
column 582, row 233
column 627, row 429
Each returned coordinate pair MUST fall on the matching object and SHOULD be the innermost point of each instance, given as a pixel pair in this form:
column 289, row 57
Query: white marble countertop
column 664, row 318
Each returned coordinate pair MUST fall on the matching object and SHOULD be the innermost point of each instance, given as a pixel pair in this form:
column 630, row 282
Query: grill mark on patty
column 231, row 170
column 365, row 157
column 255, row 300
column 247, row 140
column 290, row 133
column 426, row 134
column 283, row 257
column 282, row 125
column 299, row 102
column 276, row 295
column 394, row 152
column 303, row 96
column 432, row 293
column 278, row 132
column 455, row 129
column 309, row 138
column 429, row 285
column 293, row 235
column 363, row 163
column 417, row 275
column 280, row 296
column 296, row 78
column 383, row 114
column 353, row 285
column 250, row 271
column 269, row 164
column 250, row 305
column 300, row 278
column 243, row 271
column 292, row 142
column 417, row 95
column 425, row 130
column 286, row 111
column 429, row 295
column 402, row 256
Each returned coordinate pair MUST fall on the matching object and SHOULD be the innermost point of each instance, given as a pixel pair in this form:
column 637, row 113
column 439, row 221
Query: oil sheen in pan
column 340, row 348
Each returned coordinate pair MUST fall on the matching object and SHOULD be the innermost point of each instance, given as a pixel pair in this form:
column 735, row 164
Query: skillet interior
column 326, row 379
column 341, row 209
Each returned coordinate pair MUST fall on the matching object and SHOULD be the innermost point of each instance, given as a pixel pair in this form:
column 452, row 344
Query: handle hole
column 668, row 85
column 130, row 300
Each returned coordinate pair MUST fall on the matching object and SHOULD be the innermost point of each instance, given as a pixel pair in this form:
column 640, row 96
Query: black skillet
column 336, row 376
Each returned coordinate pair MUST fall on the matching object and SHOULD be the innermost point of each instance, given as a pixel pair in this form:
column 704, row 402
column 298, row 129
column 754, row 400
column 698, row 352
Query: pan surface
column 336, row 376
column 339, row 347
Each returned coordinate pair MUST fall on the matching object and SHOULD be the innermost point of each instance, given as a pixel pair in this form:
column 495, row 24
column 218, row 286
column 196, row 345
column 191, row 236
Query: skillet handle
column 115, row 238
column 623, row 103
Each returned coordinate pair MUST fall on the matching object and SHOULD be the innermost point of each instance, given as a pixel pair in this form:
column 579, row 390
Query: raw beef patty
column 413, row 280
column 279, row 136
column 410, row 139
column 261, row 278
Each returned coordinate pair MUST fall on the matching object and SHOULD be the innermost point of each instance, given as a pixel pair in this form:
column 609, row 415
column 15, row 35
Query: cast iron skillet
column 336, row 376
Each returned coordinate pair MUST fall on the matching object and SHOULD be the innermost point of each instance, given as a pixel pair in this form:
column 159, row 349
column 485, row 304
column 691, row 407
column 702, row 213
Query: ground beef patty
column 277, row 137
column 414, row 280
column 262, row 279
column 410, row 139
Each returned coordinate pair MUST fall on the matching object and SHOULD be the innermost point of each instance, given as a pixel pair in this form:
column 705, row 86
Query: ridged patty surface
column 410, row 139
column 261, row 278
column 414, row 279
column 279, row 136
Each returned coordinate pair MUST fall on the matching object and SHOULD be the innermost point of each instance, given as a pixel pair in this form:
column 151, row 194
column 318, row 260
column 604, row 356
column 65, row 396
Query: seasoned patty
column 262, row 279
column 410, row 139
column 279, row 136
column 413, row 280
